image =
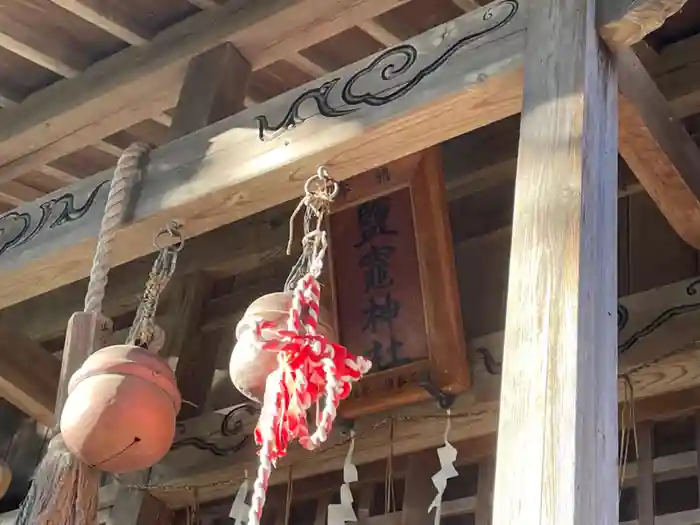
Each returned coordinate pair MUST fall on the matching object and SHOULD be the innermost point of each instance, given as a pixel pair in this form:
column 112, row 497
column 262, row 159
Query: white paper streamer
column 240, row 509
column 339, row 514
column 447, row 455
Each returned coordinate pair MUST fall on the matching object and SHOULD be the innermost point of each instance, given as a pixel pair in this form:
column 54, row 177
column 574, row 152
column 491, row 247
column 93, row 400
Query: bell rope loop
column 308, row 365
column 64, row 488
column 129, row 423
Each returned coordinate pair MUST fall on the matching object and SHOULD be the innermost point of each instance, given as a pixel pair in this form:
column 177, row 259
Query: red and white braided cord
column 310, row 367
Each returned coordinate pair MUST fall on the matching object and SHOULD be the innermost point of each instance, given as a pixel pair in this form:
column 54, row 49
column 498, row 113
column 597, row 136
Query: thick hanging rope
column 64, row 490
column 309, row 366
column 125, row 174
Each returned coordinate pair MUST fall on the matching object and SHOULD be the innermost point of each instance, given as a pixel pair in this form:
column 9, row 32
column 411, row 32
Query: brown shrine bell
column 249, row 365
column 121, row 409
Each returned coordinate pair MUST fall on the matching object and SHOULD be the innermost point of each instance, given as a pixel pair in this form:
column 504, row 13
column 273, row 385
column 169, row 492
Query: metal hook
column 445, row 400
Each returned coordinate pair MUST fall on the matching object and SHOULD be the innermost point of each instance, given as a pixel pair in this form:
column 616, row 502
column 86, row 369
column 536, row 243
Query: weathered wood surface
column 658, row 149
column 657, row 327
column 218, row 175
column 559, row 364
column 235, row 168
column 29, row 376
column 144, row 81
column 626, row 22
column 214, row 88
column 107, row 496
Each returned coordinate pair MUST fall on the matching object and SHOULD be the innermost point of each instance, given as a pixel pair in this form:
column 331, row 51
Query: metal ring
column 172, row 230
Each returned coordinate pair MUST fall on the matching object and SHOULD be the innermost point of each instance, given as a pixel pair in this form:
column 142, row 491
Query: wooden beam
column 242, row 165
column 110, row 20
column 141, row 82
column 197, row 357
column 205, row 4
column 28, row 376
column 658, row 148
column 38, row 57
column 559, row 371
column 58, row 174
column 657, row 330
column 191, row 180
column 17, row 193
column 106, row 499
column 107, row 147
column 215, row 87
column 626, row 22
column 380, row 33
column 307, row 66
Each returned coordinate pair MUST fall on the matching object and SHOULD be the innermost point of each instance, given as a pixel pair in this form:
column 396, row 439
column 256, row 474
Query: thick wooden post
column 214, row 87
column 557, row 440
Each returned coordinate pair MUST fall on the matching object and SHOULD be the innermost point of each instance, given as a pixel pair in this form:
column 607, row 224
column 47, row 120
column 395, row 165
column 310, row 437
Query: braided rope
column 308, row 367
column 124, row 174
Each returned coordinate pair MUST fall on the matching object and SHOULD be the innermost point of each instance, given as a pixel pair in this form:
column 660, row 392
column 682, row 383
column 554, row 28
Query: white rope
column 126, row 171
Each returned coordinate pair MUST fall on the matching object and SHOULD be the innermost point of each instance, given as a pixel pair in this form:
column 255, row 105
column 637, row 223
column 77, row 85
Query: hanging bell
column 121, row 409
column 250, row 365
column 5, row 478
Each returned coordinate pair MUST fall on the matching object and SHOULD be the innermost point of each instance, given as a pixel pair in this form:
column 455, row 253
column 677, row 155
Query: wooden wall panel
column 482, row 274
column 657, row 255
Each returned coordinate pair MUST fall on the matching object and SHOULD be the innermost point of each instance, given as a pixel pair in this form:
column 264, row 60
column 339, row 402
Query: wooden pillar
column 419, row 490
column 484, row 495
column 645, row 474
column 197, row 357
column 214, row 87
column 557, row 437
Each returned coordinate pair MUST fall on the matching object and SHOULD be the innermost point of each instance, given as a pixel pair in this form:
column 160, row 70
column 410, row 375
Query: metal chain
column 320, row 191
column 143, row 329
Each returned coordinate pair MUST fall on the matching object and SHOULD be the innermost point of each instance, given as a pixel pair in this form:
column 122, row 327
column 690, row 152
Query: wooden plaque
column 394, row 287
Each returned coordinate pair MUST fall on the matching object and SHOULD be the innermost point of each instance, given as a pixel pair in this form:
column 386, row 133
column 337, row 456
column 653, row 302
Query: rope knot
column 311, row 367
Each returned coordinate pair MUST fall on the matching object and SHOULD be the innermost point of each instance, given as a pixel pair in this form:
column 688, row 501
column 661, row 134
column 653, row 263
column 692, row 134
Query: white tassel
column 339, row 514
column 447, row 455
column 240, row 509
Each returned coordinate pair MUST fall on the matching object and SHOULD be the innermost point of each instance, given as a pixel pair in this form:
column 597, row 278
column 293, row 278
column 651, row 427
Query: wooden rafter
column 205, row 4
column 107, row 19
column 142, row 82
column 28, row 376
column 38, row 57
column 351, row 142
column 380, row 33
column 626, row 20
column 658, row 148
column 488, row 82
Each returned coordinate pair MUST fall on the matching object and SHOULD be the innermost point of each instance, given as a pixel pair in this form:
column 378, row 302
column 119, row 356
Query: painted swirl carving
column 389, row 65
column 18, row 228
